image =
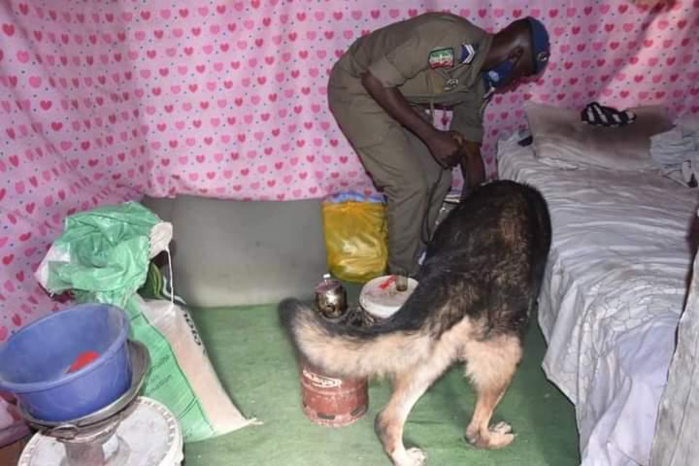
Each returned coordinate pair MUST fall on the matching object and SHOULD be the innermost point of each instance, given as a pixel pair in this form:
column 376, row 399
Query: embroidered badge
column 441, row 58
column 468, row 53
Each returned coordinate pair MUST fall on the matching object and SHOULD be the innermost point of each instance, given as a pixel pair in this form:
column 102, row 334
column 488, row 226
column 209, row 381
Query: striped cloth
column 600, row 115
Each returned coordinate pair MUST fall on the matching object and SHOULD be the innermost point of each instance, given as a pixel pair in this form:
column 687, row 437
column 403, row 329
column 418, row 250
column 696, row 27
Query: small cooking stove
column 132, row 430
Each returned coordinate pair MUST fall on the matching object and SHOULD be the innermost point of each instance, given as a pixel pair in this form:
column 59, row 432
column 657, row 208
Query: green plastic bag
column 104, row 255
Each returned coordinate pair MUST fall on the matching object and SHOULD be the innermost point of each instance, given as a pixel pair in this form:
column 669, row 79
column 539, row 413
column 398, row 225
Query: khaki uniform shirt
column 433, row 59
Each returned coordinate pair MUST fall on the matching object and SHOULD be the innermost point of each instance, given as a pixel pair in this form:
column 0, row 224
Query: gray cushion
column 230, row 253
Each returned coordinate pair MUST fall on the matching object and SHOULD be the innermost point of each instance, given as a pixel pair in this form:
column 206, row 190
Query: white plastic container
column 380, row 298
column 149, row 436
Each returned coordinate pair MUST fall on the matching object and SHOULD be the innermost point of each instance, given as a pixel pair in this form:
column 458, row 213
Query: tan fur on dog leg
column 390, row 423
column 491, row 366
column 408, row 387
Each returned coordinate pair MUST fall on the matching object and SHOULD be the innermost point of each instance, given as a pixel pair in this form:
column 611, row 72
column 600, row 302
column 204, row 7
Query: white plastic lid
column 380, row 298
column 151, row 433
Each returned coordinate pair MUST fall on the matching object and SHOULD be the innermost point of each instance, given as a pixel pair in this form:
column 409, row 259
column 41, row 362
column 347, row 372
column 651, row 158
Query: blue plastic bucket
column 35, row 362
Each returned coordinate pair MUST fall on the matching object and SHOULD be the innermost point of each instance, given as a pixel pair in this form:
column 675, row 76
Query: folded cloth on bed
column 676, row 151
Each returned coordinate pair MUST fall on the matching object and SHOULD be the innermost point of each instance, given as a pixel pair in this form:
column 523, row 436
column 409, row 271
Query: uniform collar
column 483, row 50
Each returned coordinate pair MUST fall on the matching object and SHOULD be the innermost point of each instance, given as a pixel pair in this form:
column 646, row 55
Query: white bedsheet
column 613, row 291
column 675, row 440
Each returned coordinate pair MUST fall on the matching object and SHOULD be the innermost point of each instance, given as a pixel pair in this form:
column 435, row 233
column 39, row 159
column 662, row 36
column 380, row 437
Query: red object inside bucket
column 83, row 359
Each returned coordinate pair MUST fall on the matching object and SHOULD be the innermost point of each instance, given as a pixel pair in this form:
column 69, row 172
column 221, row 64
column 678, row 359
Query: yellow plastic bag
column 355, row 239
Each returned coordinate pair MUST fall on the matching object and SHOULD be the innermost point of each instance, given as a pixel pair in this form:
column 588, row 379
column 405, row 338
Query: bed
column 614, row 289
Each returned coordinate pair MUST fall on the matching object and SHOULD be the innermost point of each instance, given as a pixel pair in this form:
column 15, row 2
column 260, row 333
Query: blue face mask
column 500, row 74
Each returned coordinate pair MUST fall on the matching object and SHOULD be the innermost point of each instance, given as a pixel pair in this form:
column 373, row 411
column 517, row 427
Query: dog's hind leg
column 408, row 387
column 490, row 366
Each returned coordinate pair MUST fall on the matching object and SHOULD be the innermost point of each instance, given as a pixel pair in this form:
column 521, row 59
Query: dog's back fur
column 477, row 288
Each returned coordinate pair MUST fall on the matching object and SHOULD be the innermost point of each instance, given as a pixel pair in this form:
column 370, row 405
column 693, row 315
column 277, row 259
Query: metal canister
column 331, row 297
column 328, row 400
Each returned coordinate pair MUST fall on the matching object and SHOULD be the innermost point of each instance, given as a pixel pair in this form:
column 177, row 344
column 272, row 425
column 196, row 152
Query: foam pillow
column 561, row 138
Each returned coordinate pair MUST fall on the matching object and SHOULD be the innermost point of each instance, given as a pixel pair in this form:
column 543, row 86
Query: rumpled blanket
column 677, row 151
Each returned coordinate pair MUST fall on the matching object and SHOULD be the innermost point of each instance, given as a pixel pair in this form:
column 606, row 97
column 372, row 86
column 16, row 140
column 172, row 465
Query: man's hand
column 446, row 148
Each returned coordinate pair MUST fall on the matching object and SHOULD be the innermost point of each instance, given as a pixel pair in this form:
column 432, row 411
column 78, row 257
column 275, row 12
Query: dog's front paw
column 411, row 457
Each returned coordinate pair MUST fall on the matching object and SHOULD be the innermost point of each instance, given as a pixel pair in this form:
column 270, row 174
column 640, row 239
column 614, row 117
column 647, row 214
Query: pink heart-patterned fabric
column 101, row 102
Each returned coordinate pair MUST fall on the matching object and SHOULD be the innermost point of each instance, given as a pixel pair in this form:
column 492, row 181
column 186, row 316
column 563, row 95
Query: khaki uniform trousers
column 415, row 185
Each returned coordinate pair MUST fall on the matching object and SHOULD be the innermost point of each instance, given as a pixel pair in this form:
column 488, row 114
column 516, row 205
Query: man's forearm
column 391, row 100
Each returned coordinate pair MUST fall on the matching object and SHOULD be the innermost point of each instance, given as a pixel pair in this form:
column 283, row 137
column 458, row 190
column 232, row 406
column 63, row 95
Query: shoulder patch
column 441, row 58
column 468, row 53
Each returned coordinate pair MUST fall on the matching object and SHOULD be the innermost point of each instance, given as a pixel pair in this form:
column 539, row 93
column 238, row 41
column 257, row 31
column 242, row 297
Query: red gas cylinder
column 327, row 400
column 330, row 401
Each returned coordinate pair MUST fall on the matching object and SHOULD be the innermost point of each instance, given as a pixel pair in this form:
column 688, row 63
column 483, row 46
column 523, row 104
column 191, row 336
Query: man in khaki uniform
column 383, row 92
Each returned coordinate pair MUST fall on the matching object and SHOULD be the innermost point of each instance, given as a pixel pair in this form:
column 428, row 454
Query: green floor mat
column 256, row 365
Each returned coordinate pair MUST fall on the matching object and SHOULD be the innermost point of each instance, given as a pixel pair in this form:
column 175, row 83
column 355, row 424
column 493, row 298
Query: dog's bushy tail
column 351, row 352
